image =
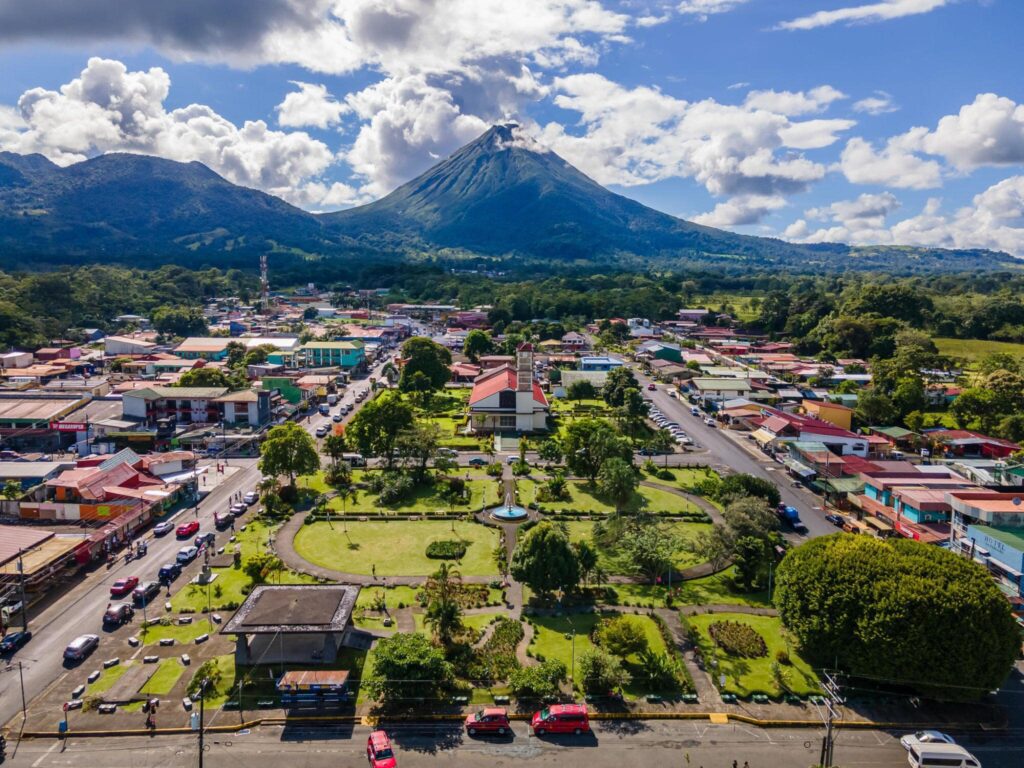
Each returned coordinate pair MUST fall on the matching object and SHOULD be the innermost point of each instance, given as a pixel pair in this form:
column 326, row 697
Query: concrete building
column 508, row 399
column 334, row 354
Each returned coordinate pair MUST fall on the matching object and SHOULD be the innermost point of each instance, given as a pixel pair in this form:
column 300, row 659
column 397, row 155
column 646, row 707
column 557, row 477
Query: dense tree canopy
column 545, row 561
column 899, row 612
column 426, row 357
column 589, row 443
column 407, row 666
column 288, row 450
column 377, row 425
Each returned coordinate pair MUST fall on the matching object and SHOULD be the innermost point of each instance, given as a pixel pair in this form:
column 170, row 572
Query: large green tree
column 617, row 481
column 589, row 443
column 900, row 612
column 545, row 561
column 377, row 425
column 424, row 356
column 477, row 343
column 288, row 450
column 407, row 666
column 615, row 385
column 741, row 484
column 179, row 320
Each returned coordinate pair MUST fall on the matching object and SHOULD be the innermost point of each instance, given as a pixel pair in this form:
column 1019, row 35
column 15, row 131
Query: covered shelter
column 293, row 624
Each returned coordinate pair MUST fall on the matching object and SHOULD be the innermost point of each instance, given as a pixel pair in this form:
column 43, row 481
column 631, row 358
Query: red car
column 490, row 720
column 561, row 718
column 651, row 387
column 379, row 752
column 187, row 529
column 122, row 587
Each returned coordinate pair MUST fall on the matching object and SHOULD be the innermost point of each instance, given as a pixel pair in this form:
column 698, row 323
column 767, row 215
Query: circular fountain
column 509, row 511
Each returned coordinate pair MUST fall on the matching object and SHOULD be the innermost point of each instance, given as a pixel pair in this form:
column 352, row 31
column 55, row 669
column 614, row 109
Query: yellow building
column 833, row 413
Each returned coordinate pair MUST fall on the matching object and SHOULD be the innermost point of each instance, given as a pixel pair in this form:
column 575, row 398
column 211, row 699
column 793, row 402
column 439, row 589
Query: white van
column 926, row 755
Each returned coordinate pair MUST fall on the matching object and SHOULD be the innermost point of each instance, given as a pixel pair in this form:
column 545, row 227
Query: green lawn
column 685, row 477
column 553, row 640
column 745, row 677
column 686, row 532
column 107, row 679
column 225, row 688
column 181, row 633
column 476, row 621
column 972, row 350
column 167, row 674
column 718, row 589
column 584, row 498
column 482, row 491
column 740, row 305
column 397, row 548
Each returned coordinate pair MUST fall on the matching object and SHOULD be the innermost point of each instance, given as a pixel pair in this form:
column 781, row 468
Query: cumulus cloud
column 885, row 10
column 895, row 165
column 110, row 109
column 877, row 104
column 311, row 105
column 632, row 136
column 988, row 131
column 741, row 210
column 994, row 220
column 794, row 102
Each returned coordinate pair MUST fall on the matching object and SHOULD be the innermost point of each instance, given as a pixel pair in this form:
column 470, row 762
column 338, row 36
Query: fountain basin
column 508, row 513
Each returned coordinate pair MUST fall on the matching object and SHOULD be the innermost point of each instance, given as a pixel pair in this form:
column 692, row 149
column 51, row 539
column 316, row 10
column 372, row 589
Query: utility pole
column 24, row 602
column 202, row 717
column 832, row 701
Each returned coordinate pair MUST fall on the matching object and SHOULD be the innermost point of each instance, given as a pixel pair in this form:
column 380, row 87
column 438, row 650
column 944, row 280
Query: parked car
column 449, row 452
column 336, row 418
column 324, row 410
column 187, row 529
column 561, row 718
column 239, row 508
column 14, row 640
column 511, row 459
column 694, row 410
column 146, row 591
column 710, row 422
column 186, row 555
column 81, row 647
column 476, row 461
column 489, row 720
column 223, row 519
column 122, row 587
column 379, row 751
column 162, row 529
column 322, row 430
column 11, row 608
column 926, row 737
column 651, row 387
column 168, row 573
column 251, row 498
column 836, row 520
column 118, row 614
column 206, row 538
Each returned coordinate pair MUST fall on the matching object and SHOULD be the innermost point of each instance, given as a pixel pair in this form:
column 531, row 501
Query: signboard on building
column 69, row 426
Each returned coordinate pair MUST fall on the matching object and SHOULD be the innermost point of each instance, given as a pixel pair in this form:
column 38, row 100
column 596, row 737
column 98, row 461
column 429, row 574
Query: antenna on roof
column 264, row 284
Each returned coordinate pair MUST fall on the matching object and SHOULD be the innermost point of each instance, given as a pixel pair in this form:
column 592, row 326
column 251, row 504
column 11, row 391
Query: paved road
column 675, row 744
column 726, row 449
column 80, row 610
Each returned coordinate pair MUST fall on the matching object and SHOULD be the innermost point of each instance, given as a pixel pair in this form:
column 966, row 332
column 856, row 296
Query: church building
column 507, row 398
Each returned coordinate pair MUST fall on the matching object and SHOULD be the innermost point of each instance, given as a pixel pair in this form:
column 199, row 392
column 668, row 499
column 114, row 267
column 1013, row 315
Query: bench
column 150, row 659
column 502, row 700
column 107, row 709
column 167, row 641
column 111, row 663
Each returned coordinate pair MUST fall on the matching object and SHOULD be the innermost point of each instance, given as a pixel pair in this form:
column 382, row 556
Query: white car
column 251, row 498
column 926, row 737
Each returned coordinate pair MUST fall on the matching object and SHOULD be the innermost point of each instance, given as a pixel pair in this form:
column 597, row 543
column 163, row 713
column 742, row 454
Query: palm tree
column 444, row 617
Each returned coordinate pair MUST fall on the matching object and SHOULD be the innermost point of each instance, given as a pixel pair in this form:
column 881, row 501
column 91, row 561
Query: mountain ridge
column 501, row 196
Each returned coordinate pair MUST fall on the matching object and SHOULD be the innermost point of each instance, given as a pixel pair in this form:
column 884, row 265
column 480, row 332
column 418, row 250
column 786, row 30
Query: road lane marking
column 45, row 754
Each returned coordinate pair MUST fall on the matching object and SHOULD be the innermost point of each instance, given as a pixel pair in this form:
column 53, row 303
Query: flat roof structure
column 36, row 409
column 294, row 609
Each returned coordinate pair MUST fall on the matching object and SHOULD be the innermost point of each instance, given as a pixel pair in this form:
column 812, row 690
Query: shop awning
column 798, row 469
column 878, row 525
column 763, row 437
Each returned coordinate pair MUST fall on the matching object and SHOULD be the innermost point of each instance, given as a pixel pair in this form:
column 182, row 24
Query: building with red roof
column 508, row 398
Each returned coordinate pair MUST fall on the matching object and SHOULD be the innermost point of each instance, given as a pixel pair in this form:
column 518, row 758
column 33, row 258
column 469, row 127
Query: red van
column 561, row 718
column 490, row 720
column 379, row 752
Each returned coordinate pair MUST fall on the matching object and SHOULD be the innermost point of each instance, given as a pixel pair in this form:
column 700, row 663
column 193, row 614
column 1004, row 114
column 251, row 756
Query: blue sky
column 865, row 121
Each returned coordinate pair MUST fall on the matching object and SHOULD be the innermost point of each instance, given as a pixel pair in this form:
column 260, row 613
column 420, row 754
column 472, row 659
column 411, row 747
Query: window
column 507, row 421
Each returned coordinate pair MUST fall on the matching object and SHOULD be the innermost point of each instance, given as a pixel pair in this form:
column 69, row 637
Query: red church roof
column 499, row 380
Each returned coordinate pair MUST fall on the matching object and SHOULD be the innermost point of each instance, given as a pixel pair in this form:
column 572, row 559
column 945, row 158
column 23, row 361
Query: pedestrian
column 374, row 571
column 735, row 764
column 746, row 764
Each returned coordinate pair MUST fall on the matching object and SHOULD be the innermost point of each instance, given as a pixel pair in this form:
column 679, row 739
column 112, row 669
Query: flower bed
column 738, row 639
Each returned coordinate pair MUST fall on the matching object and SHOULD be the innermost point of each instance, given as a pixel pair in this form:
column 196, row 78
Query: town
column 339, row 505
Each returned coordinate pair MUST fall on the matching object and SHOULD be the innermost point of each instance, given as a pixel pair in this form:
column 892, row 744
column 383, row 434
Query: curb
column 716, row 717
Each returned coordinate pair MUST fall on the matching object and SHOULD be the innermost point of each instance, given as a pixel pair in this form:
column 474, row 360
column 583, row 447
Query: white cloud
column 794, row 102
column 877, row 104
column 704, row 8
column 894, row 166
column 652, row 21
column 988, row 131
column 814, row 134
column 741, row 210
column 994, row 220
column 409, row 124
column 738, row 86
column 109, row 109
column 311, row 105
column 885, row 10
column 632, row 136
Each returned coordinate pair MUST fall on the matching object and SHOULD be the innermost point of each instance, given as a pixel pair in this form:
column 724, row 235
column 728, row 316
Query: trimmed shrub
column 449, row 549
column 738, row 639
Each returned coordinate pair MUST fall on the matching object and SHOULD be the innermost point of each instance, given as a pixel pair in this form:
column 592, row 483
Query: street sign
column 65, row 706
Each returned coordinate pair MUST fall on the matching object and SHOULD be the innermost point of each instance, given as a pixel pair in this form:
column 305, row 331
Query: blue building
column 599, row 363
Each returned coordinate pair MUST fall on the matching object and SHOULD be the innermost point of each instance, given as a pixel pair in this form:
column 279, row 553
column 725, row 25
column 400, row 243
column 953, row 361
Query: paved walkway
column 749, row 610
